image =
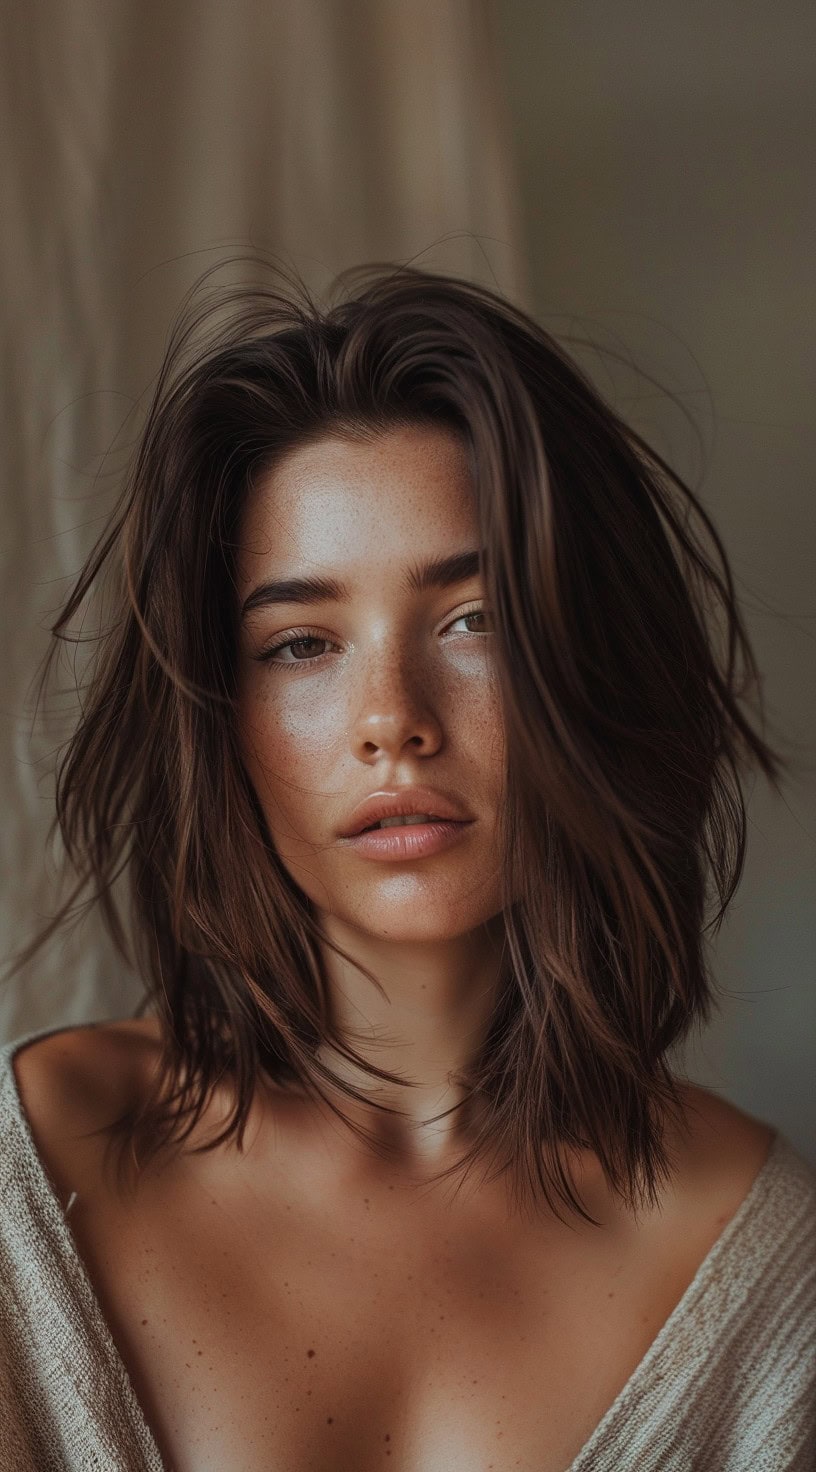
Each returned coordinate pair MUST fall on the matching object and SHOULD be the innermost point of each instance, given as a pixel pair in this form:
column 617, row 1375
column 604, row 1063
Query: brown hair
column 624, row 732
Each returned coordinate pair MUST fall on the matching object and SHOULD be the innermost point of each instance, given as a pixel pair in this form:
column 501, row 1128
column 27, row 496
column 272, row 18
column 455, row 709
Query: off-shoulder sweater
column 728, row 1385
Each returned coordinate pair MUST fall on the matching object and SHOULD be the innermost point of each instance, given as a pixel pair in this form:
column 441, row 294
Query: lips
column 403, row 803
column 408, row 844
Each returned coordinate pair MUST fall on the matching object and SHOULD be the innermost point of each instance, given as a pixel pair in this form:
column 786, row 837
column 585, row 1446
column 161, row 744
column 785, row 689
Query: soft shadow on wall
column 665, row 166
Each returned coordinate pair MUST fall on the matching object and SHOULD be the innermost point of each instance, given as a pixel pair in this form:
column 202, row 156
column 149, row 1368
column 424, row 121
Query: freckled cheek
column 474, row 716
column 287, row 740
column 478, row 706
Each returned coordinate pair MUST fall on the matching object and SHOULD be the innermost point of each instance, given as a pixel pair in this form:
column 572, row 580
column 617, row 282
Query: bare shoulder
column 83, row 1067
column 79, row 1079
column 725, row 1147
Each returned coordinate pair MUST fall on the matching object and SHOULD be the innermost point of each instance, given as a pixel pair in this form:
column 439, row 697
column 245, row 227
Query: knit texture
column 729, row 1384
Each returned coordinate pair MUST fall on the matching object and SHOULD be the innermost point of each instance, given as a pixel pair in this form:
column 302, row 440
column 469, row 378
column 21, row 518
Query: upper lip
column 400, row 802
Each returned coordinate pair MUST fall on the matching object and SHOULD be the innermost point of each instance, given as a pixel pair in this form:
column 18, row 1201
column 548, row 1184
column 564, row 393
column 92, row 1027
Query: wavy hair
column 626, row 731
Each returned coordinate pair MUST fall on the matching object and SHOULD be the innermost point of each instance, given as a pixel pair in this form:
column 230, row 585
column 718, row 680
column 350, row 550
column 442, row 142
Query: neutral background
column 666, row 172
column 640, row 176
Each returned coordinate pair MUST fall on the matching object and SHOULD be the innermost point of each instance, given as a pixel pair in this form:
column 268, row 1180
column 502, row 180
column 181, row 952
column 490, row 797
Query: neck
column 424, row 1023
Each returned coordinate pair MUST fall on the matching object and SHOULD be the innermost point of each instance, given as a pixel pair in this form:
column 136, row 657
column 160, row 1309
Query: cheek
column 479, row 715
column 288, row 744
column 476, row 725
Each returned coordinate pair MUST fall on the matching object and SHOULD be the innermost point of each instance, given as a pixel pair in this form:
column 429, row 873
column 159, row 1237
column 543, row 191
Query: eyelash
column 295, row 636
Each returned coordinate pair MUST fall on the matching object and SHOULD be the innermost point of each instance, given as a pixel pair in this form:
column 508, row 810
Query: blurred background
column 638, row 176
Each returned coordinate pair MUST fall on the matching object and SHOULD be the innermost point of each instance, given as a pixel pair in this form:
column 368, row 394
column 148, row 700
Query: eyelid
column 291, row 636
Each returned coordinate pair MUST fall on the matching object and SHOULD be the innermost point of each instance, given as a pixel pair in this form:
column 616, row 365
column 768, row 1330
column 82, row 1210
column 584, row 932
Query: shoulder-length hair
column 624, row 732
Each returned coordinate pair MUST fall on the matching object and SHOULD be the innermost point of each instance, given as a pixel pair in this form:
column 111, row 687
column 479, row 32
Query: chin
column 413, row 924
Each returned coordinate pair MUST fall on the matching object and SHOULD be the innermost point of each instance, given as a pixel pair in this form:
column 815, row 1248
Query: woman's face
column 389, row 685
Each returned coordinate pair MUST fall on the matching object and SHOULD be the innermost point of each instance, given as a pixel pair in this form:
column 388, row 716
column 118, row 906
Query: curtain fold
column 140, row 143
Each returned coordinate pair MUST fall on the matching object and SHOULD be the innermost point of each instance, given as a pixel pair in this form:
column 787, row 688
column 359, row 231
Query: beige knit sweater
column 729, row 1384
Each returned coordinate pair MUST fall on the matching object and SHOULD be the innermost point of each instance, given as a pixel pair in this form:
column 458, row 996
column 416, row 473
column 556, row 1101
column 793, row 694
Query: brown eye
column 302, row 647
column 299, row 644
column 473, row 613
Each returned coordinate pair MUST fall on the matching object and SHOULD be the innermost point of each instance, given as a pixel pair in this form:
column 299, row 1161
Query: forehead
column 337, row 500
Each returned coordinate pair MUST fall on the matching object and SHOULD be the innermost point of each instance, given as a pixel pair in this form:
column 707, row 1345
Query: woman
column 412, row 734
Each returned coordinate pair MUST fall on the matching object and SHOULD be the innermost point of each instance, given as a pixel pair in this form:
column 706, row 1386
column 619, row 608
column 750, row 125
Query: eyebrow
column 437, row 572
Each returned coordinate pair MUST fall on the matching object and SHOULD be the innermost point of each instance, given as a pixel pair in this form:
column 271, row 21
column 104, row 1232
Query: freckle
column 388, row 1435
column 329, row 1420
column 474, row 1382
column 610, row 1295
column 310, row 1354
column 144, row 1321
column 200, row 1351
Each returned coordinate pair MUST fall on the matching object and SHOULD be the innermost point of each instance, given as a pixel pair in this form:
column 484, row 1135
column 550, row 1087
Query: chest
column 268, row 1333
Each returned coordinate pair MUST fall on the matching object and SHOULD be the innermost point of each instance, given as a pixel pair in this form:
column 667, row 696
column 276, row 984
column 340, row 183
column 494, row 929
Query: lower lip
column 414, row 841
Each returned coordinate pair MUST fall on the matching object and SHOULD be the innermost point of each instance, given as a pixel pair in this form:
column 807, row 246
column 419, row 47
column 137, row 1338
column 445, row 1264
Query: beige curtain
column 141, row 141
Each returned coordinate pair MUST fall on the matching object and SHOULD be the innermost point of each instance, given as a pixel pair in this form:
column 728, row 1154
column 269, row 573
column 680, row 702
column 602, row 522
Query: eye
column 473, row 613
column 299, row 640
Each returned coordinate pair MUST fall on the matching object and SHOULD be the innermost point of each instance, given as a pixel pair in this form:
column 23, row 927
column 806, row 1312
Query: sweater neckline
column 711, row 1265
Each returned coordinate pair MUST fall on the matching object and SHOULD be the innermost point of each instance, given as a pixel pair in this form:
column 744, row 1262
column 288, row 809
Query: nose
column 394, row 709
